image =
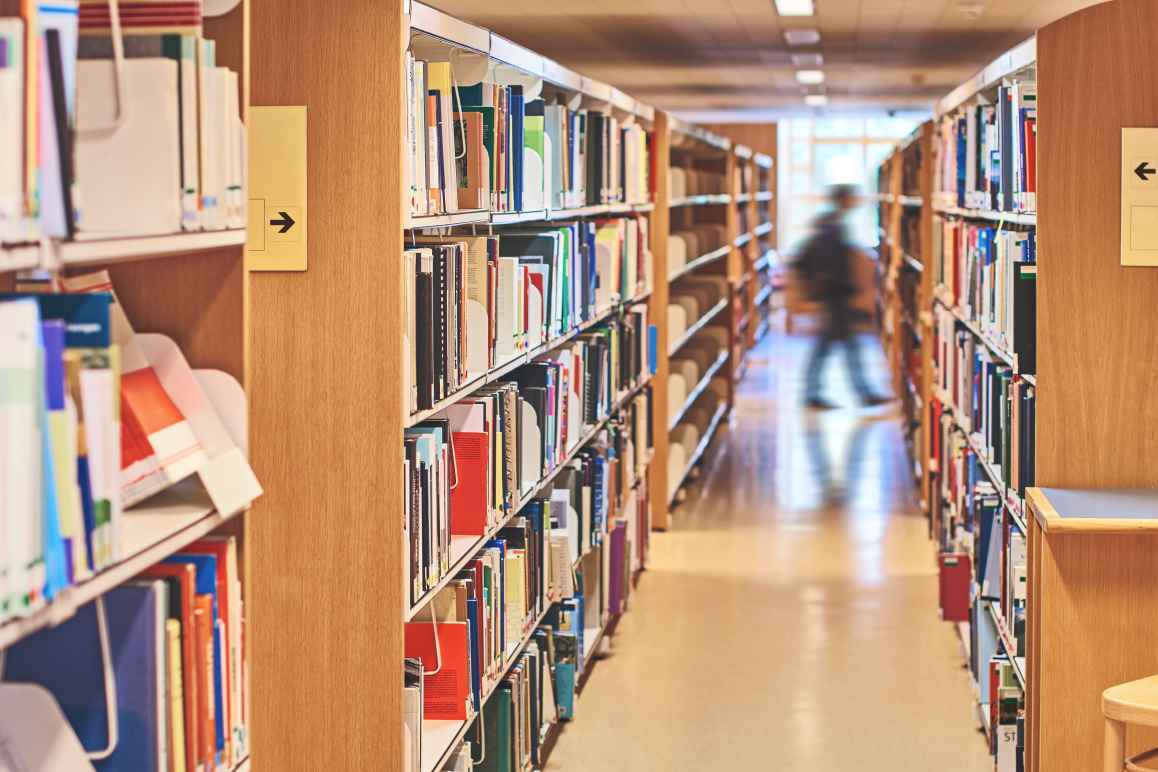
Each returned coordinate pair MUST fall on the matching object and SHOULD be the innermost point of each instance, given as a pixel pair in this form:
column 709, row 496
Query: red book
column 203, row 640
column 955, row 576
column 468, row 499
column 186, row 575
column 219, row 548
column 446, row 671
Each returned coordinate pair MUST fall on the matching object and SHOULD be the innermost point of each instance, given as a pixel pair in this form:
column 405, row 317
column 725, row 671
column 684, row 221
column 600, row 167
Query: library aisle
column 785, row 623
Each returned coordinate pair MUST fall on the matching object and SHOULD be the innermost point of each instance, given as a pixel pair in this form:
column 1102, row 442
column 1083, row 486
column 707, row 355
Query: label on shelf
column 276, row 232
column 1139, row 245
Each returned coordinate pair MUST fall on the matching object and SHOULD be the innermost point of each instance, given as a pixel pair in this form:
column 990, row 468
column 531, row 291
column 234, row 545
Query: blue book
column 472, row 647
column 66, row 660
column 85, row 316
column 205, row 583
column 652, row 347
column 58, row 572
column 518, row 130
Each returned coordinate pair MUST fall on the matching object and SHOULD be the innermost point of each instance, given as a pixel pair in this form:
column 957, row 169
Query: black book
column 440, row 323
column 1025, row 316
column 424, row 346
column 55, row 62
column 595, row 150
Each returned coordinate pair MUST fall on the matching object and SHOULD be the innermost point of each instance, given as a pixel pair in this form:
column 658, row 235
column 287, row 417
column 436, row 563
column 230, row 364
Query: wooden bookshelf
column 1096, row 353
column 192, row 287
column 1094, row 426
column 743, row 154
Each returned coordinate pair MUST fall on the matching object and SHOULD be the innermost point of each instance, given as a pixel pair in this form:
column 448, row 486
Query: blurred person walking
column 825, row 267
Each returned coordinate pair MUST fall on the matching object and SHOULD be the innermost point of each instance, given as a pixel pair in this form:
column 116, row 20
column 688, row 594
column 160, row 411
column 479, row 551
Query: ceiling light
column 795, row 7
column 801, row 37
column 810, row 77
column 816, row 100
column 808, row 61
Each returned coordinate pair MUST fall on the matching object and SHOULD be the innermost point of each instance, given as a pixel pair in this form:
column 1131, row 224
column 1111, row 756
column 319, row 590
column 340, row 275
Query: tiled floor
column 788, row 621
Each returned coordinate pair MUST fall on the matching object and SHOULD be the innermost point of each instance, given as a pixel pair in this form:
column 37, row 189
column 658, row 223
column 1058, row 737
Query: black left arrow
column 286, row 222
column 1142, row 171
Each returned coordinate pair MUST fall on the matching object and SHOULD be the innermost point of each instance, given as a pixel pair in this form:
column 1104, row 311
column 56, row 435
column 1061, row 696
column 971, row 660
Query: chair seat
column 1135, row 702
column 1134, row 764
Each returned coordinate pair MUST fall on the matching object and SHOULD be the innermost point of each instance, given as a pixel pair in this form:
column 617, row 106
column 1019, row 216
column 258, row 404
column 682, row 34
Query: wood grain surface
column 326, row 558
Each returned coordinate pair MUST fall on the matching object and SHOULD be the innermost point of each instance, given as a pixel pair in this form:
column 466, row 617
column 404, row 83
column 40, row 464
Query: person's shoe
column 816, row 403
column 876, row 400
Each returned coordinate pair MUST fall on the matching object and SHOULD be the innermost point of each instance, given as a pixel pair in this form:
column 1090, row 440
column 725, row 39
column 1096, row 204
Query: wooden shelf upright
column 660, row 225
column 1097, row 350
column 326, row 568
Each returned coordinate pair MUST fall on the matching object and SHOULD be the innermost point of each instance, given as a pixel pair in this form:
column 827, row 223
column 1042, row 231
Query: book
column 135, row 615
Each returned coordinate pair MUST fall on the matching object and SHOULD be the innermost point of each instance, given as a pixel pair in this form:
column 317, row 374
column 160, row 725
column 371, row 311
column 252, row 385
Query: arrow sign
column 1144, row 170
column 286, row 222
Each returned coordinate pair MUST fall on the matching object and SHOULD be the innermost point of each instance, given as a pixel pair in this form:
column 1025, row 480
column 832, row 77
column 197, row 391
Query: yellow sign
column 276, row 234
column 1139, row 197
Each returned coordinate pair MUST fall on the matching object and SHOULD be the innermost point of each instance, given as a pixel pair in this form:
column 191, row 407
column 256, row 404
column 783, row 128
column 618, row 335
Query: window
column 820, row 152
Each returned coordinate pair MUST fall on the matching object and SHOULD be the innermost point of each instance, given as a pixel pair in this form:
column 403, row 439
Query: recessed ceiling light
column 808, row 61
column 801, row 37
column 810, row 77
column 795, row 7
column 816, row 100
column 972, row 10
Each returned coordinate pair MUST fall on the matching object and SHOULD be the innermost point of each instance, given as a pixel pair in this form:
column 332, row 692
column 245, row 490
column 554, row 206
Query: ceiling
column 727, row 59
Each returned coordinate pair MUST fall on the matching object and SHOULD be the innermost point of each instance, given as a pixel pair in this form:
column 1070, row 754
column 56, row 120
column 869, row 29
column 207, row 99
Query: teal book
column 499, row 732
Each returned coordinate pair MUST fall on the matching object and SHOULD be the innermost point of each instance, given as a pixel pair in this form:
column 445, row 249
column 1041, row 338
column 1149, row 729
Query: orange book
column 186, row 574
column 468, row 499
column 220, row 548
column 446, row 690
column 473, row 170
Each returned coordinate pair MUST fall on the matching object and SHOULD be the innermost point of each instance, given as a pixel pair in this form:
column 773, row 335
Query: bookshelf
column 189, row 288
column 309, row 368
column 907, row 287
column 719, row 182
column 1056, row 417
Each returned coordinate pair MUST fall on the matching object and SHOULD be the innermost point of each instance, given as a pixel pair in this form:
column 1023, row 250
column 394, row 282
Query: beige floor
column 785, row 623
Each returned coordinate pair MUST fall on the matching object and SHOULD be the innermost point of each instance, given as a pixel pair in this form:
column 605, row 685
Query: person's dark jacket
column 825, row 263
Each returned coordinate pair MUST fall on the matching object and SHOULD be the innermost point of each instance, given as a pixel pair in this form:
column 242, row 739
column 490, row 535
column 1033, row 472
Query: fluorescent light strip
column 795, row 7
column 801, row 37
column 810, row 77
column 808, row 61
column 815, row 100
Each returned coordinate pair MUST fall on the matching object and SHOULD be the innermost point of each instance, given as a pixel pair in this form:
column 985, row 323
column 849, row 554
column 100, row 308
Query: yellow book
column 176, row 696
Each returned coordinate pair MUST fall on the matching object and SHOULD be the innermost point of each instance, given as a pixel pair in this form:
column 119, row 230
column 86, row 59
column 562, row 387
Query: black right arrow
column 286, row 222
column 1143, row 170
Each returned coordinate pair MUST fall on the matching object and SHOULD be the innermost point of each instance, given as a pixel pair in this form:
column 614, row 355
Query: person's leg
column 856, row 367
column 816, row 361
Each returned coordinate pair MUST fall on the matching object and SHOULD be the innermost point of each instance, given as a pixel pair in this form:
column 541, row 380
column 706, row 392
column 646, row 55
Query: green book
column 499, row 737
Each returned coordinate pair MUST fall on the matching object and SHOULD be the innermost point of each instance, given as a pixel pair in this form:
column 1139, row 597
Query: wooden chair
column 1134, row 703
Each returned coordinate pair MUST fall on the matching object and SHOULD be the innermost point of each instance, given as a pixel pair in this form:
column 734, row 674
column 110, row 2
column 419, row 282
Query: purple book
column 617, row 582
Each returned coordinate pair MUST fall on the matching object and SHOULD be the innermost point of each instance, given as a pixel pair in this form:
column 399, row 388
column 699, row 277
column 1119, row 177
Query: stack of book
column 689, row 244
column 692, row 298
column 474, row 303
column 488, row 146
column 99, row 419
column 87, row 154
column 989, row 400
column 174, row 639
column 990, row 274
column 685, row 181
column 989, row 158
